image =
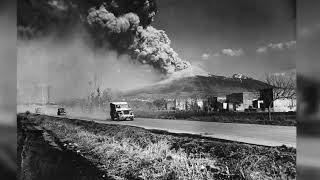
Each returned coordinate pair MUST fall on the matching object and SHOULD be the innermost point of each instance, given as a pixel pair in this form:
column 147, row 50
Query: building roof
column 118, row 103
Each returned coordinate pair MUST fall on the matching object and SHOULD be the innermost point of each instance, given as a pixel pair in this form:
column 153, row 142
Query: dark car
column 38, row 111
column 61, row 111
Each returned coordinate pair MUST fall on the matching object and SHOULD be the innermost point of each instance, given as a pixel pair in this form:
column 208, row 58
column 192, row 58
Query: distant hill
column 198, row 85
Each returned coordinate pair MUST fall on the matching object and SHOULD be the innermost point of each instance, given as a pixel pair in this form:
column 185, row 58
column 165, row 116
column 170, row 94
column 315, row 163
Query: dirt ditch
column 42, row 156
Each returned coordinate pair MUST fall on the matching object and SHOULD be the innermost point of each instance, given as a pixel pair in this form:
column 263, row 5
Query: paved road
column 248, row 133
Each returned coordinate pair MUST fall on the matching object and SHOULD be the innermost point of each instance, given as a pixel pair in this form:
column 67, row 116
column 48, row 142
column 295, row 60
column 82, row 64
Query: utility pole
column 99, row 103
column 95, row 80
column 48, row 94
column 42, row 95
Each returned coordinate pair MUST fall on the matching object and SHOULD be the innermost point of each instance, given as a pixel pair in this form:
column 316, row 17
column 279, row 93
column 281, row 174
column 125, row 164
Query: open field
column 126, row 152
column 280, row 119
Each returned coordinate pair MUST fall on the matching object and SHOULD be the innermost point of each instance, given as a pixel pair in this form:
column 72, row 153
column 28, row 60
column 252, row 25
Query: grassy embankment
column 126, row 152
column 281, row 119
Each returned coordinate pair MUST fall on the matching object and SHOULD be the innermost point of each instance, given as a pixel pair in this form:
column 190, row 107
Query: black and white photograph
column 156, row 89
column 159, row 90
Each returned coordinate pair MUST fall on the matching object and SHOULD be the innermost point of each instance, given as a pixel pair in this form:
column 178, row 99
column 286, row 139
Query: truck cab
column 121, row 111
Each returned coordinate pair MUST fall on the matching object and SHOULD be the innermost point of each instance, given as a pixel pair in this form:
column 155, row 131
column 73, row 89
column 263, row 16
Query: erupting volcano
column 121, row 25
column 131, row 33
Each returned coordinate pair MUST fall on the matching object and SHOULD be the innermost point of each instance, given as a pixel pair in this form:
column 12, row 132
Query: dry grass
column 134, row 153
column 124, row 158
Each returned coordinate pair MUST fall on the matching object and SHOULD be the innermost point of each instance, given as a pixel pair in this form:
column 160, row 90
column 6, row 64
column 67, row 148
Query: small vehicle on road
column 37, row 111
column 61, row 111
column 121, row 111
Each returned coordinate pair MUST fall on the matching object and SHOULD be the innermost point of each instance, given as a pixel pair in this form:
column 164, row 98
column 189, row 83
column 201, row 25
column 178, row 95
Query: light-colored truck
column 121, row 111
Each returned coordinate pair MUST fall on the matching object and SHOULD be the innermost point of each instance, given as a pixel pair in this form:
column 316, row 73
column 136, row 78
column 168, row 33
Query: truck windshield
column 122, row 106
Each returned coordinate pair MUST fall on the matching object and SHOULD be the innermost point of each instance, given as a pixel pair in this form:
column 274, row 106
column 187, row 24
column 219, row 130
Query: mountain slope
column 198, row 85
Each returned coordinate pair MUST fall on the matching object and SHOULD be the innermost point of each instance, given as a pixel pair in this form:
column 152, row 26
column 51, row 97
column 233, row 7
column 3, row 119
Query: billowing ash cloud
column 121, row 25
column 127, row 33
column 152, row 46
column 110, row 24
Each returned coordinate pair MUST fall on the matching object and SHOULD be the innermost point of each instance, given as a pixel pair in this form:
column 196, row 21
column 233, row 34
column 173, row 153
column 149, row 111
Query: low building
column 189, row 104
column 222, row 103
column 214, row 103
column 199, row 104
column 241, row 101
column 224, row 106
column 170, row 105
column 268, row 96
column 209, row 103
column 180, row 104
column 258, row 104
column 285, row 105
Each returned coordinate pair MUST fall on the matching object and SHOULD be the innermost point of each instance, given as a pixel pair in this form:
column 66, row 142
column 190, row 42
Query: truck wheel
column 132, row 119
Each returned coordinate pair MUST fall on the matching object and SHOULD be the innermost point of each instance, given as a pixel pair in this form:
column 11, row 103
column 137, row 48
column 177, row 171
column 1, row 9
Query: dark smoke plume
column 152, row 46
column 122, row 25
column 142, row 41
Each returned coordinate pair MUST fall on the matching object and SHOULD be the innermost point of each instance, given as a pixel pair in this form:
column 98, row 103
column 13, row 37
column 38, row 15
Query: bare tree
column 283, row 87
column 159, row 103
column 99, row 97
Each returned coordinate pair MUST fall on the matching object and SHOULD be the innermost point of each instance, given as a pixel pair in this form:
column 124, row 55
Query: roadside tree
column 283, row 87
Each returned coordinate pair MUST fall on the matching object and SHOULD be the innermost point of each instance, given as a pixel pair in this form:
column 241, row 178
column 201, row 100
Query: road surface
column 248, row 133
column 267, row 135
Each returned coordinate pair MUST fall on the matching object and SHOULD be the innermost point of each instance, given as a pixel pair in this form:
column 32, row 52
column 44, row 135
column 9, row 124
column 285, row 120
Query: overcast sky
column 226, row 37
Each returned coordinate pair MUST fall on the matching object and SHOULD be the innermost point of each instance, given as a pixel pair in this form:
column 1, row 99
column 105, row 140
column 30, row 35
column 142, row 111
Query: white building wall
column 180, row 104
column 170, row 105
column 230, row 107
column 225, row 105
column 260, row 102
column 284, row 105
column 240, row 107
column 200, row 103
